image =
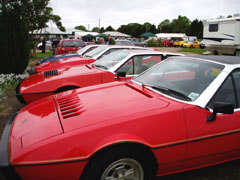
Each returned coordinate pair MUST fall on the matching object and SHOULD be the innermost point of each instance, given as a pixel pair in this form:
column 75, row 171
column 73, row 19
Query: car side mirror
column 120, row 74
column 221, row 107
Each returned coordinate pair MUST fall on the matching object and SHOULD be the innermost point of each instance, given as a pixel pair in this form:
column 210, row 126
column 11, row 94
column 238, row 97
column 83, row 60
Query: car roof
column 149, row 51
column 220, row 59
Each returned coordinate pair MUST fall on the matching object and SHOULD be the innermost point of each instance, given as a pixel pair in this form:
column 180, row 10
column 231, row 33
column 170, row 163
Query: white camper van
column 222, row 35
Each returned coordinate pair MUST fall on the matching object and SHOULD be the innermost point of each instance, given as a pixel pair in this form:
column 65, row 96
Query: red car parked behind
column 69, row 46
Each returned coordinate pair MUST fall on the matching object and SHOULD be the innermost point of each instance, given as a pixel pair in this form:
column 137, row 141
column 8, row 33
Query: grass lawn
column 193, row 50
column 38, row 56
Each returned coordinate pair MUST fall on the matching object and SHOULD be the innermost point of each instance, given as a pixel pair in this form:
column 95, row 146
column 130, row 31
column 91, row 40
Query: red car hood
column 34, row 123
column 109, row 102
column 74, row 71
column 64, row 62
column 33, row 82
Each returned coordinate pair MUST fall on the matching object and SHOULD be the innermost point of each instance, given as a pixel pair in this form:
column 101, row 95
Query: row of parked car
column 181, row 43
column 123, row 112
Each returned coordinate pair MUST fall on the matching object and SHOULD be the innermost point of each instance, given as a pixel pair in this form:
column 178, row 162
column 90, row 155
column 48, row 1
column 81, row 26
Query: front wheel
column 121, row 164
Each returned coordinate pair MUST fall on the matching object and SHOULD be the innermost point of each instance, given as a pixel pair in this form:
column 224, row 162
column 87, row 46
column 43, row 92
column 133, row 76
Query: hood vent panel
column 50, row 73
column 70, row 106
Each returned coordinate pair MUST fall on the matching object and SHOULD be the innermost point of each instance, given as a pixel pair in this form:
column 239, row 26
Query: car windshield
column 110, row 60
column 96, row 51
column 181, row 78
column 80, row 51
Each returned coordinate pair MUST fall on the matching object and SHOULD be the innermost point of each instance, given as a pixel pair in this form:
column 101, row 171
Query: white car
column 48, row 45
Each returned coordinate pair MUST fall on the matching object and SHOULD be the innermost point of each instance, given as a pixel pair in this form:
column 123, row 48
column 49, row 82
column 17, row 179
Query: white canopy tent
column 84, row 33
column 171, row 35
column 116, row 34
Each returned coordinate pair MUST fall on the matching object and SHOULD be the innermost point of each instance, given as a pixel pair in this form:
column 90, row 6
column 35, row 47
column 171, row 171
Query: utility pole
column 99, row 23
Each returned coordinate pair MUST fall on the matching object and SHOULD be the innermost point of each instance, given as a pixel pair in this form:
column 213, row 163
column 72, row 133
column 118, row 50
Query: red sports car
column 102, row 71
column 179, row 115
column 69, row 46
column 88, row 58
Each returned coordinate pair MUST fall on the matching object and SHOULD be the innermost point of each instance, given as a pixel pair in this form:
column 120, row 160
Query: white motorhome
column 222, row 35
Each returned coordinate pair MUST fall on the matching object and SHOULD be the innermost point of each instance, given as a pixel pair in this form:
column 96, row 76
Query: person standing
column 101, row 40
column 43, row 45
column 111, row 41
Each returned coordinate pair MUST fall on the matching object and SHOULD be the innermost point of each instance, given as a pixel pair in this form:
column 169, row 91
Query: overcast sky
column 119, row 12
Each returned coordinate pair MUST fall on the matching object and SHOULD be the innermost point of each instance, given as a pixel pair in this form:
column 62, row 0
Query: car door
column 218, row 140
column 138, row 64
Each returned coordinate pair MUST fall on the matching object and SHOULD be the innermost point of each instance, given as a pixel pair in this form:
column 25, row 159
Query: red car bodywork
column 80, row 76
column 168, row 43
column 63, row 63
column 50, row 82
column 60, row 136
column 66, row 130
column 69, row 46
column 73, row 61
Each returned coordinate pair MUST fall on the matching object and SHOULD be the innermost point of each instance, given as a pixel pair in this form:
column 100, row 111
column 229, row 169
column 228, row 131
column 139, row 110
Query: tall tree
column 96, row 29
column 109, row 28
column 147, row 27
column 81, row 27
column 34, row 14
column 196, row 29
column 165, row 26
column 102, row 30
column 153, row 29
column 14, row 43
column 181, row 24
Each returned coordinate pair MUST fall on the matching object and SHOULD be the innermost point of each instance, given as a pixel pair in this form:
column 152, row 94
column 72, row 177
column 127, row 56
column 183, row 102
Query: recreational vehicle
column 222, row 35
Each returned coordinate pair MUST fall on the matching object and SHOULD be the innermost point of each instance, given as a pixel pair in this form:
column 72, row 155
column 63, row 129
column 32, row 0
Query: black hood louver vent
column 50, row 73
column 70, row 106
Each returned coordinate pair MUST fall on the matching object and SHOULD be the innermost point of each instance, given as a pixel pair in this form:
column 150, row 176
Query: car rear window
column 73, row 44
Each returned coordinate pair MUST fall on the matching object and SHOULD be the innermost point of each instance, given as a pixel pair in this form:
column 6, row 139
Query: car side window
column 110, row 51
column 225, row 93
column 236, row 77
column 127, row 67
column 138, row 64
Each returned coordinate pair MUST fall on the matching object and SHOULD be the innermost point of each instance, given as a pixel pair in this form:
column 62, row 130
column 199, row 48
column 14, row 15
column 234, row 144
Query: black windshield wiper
column 88, row 56
column 168, row 91
column 100, row 66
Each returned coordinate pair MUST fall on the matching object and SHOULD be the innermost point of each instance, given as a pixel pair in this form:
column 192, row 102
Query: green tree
column 133, row 29
column 165, row 26
column 34, row 14
column 14, row 42
column 81, row 27
column 196, row 29
column 109, row 28
column 102, row 30
column 153, row 29
column 147, row 27
column 181, row 24
column 96, row 29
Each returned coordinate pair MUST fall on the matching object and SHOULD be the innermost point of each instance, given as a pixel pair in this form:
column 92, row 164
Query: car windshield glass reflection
column 181, row 78
column 82, row 49
column 108, row 61
column 96, row 51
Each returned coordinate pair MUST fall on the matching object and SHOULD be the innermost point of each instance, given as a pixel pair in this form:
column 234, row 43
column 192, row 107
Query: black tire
column 237, row 53
column 191, row 46
column 40, row 47
column 132, row 161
